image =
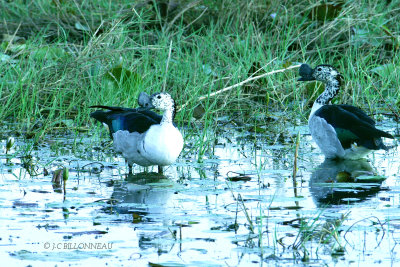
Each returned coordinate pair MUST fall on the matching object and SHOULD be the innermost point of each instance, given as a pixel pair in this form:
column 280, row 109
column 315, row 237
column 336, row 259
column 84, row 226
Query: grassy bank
column 60, row 57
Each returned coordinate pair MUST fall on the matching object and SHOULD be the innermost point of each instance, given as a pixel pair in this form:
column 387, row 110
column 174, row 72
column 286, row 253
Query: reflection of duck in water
column 142, row 194
column 146, row 200
column 341, row 181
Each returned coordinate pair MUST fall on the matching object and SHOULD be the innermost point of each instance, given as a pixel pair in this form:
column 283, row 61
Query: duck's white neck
column 168, row 116
column 332, row 88
column 315, row 107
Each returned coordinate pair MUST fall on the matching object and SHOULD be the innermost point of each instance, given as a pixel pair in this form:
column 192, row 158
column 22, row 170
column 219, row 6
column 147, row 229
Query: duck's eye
column 159, row 97
column 319, row 69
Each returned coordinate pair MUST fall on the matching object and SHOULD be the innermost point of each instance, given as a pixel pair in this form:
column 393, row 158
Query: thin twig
column 12, row 38
column 241, row 83
column 296, row 154
column 196, row 19
column 166, row 67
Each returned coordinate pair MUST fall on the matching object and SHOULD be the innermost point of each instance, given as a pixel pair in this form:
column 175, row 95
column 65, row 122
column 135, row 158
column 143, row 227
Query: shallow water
column 238, row 207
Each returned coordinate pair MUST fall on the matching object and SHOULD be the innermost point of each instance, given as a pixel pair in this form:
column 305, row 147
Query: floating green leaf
column 370, row 179
column 244, row 178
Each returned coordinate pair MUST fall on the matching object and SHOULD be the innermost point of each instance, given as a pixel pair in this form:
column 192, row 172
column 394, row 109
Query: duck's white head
column 165, row 103
column 162, row 101
column 324, row 73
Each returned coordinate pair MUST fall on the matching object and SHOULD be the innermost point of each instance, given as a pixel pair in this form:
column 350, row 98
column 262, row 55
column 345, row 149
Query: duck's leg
column 160, row 170
column 130, row 168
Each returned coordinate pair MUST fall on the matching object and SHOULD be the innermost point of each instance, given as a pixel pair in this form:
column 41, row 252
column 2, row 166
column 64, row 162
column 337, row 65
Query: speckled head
column 324, row 73
column 162, row 101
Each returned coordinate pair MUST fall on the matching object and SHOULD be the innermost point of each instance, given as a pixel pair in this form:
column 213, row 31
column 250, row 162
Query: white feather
column 159, row 145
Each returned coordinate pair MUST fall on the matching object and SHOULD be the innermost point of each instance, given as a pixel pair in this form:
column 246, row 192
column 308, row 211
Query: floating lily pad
column 344, row 177
column 244, row 178
column 370, row 179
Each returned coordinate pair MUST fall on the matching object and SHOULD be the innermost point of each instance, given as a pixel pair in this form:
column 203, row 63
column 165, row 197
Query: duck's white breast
column 161, row 144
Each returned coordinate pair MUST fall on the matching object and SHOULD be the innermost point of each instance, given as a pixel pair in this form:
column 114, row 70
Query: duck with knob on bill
column 142, row 136
column 340, row 131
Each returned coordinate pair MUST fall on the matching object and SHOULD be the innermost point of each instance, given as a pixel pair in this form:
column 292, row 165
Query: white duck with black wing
column 142, row 136
column 340, row 131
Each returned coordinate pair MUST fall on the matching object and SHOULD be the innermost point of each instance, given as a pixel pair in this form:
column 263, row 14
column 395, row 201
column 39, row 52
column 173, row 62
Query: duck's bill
column 306, row 72
column 306, row 78
column 144, row 99
column 145, row 108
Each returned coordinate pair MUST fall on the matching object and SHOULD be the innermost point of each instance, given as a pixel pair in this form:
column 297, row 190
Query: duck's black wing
column 352, row 125
column 358, row 112
column 129, row 119
column 116, row 108
column 141, row 110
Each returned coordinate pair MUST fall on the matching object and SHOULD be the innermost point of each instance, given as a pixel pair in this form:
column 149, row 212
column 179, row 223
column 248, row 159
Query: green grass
column 58, row 55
